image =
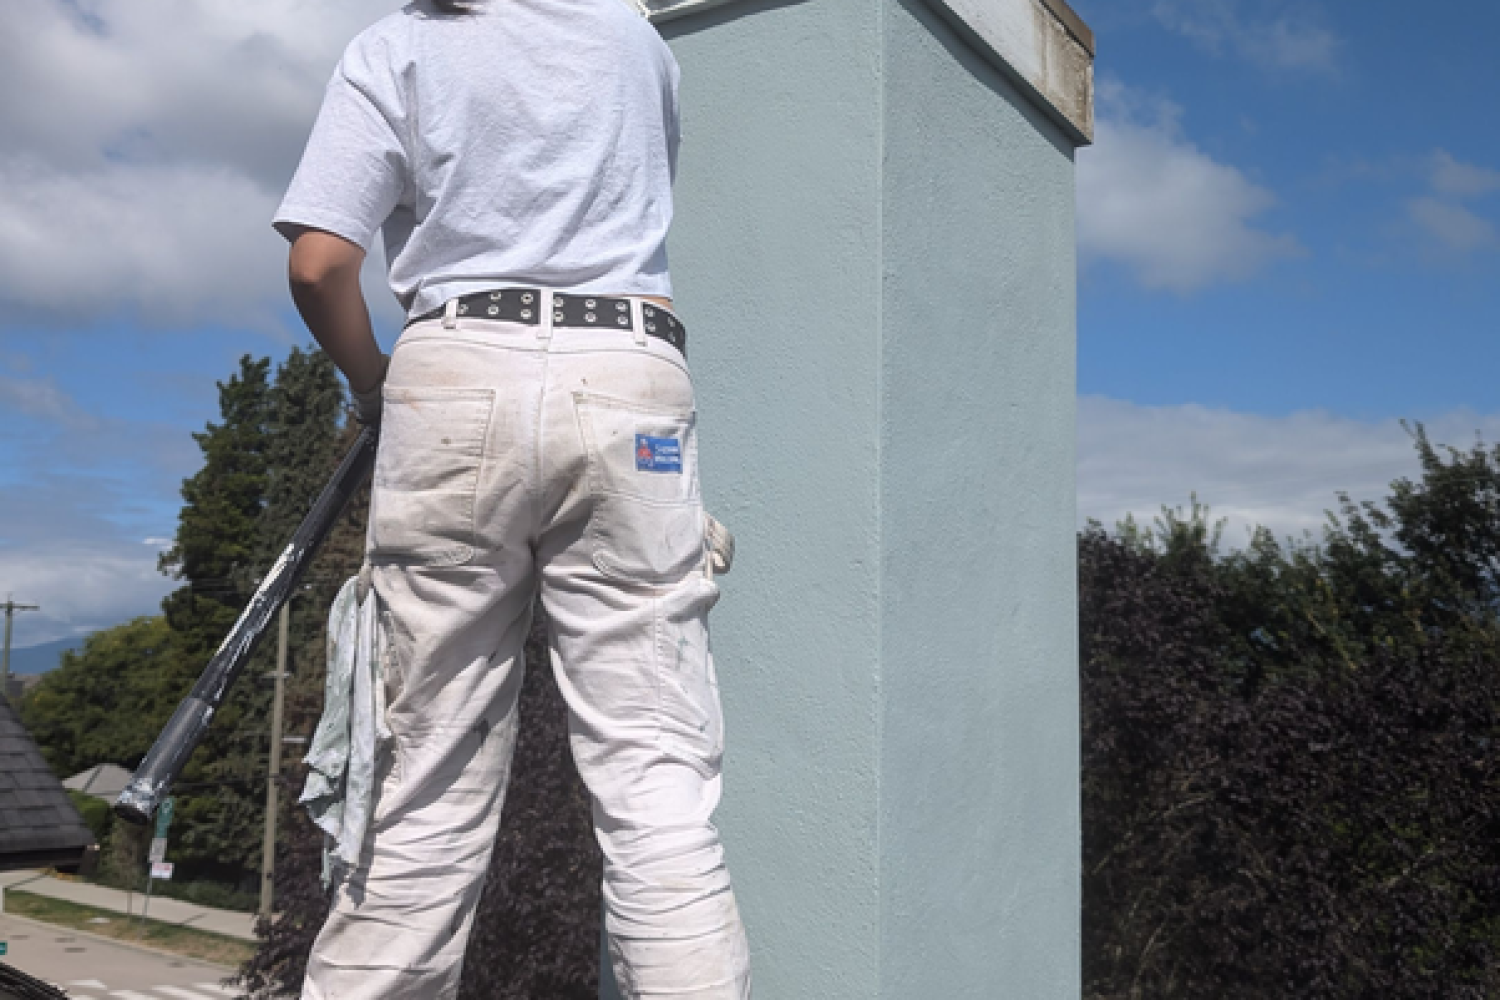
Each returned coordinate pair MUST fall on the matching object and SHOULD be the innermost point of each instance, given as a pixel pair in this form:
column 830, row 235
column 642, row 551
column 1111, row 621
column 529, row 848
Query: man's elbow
column 319, row 261
column 308, row 276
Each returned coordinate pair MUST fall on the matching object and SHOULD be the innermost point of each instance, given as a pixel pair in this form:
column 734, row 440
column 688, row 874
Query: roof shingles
column 38, row 824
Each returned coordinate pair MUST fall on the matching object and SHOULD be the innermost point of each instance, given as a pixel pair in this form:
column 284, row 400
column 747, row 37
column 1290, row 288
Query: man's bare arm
column 324, row 274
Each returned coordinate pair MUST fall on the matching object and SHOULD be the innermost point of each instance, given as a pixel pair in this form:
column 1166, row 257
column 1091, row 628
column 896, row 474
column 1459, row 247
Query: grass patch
column 185, row 941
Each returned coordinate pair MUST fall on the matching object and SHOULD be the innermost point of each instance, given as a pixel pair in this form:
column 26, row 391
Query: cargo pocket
column 427, row 474
column 646, row 522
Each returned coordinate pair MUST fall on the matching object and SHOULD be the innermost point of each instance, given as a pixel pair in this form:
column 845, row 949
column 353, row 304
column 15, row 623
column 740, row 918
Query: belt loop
column 450, row 314
column 545, row 327
column 637, row 321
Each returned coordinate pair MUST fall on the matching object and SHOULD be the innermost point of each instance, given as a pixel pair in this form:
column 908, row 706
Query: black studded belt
column 523, row 305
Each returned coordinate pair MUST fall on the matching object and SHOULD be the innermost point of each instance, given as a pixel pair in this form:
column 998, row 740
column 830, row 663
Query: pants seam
column 539, row 445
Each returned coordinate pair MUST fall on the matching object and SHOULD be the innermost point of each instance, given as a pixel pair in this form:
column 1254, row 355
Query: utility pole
column 268, row 848
column 11, row 607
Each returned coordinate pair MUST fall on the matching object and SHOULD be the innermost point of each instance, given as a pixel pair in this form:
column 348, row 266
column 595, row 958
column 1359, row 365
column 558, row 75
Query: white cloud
column 41, row 397
column 1280, row 472
column 1442, row 217
column 171, row 80
column 147, row 143
column 177, row 242
column 1438, row 213
column 1457, row 179
column 1452, row 226
column 1151, row 200
column 1290, row 41
column 70, row 540
column 81, row 587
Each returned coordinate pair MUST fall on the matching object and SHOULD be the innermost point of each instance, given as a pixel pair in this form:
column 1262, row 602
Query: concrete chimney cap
column 1042, row 45
column 1075, row 24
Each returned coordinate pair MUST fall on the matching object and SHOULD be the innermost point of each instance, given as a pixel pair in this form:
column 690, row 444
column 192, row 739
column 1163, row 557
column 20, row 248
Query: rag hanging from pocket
column 340, row 789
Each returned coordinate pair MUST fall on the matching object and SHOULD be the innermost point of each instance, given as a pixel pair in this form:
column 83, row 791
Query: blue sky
column 1368, row 124
column 1288, row 234
column 1288, row 231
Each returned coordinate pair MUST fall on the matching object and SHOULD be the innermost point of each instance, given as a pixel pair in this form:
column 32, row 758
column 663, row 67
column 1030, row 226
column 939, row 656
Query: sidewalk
column 172, row 911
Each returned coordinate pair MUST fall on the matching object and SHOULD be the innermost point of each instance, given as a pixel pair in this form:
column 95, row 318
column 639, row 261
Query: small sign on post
column 160, row 868
column 164, row 817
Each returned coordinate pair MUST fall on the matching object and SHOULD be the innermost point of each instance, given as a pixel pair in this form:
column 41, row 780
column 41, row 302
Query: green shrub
column 214, row 894
column 95, row 813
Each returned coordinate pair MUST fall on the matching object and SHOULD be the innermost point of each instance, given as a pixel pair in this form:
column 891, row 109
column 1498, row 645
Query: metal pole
column 268, row 847
column 146, row 906
column 10, row 614
column 11, row 607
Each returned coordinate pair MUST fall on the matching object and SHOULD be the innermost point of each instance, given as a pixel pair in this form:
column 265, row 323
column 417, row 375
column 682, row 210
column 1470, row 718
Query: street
column 91, row 968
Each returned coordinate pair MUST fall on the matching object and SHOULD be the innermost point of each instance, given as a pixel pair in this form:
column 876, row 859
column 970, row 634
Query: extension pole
column 268, row 848
column 185, row 730
column 11, row 607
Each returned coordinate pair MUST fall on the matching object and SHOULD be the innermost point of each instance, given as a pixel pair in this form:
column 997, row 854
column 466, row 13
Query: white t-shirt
column 532, row 142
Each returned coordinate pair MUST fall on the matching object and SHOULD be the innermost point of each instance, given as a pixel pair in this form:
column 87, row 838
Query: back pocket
column 646, row 525
column 427, row 474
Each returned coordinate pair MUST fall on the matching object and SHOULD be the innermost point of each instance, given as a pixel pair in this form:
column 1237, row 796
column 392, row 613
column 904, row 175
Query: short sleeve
column 354, row 170
column 674, row 134
column 674, row 118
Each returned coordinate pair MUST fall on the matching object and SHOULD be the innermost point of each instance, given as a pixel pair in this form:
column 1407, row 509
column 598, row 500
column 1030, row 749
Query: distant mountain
column 40, row 659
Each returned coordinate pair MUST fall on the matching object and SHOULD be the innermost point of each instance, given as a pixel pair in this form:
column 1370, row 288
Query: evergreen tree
column 270, row 455
column 307, row 439
column 220, row 794
column 216, row 534
column 301, row 904
column 304, row 438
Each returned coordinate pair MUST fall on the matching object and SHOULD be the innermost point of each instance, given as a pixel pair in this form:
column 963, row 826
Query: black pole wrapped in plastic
column 138, row 802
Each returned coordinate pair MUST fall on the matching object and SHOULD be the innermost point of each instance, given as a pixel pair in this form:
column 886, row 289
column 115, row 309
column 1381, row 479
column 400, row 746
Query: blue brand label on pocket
column 654, row 454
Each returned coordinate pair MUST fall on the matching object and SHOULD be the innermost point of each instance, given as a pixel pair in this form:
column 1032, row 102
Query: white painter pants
column 514, row 458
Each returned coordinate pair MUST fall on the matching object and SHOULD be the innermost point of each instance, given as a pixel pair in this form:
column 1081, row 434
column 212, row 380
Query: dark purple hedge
column 1291, row 786
column 537, row 932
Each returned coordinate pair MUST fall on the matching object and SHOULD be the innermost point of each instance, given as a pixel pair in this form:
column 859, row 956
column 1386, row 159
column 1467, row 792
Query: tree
column 218, row 808
column 306, row 438
column 305, row 441
column 215, row 546
column 105, row 702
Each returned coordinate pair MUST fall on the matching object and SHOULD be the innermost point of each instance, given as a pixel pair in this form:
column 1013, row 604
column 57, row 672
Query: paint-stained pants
column 514, row 458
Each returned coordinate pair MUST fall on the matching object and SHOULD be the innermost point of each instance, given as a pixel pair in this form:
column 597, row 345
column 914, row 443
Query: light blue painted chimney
column 874, row 255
